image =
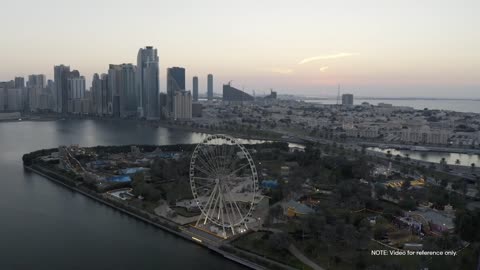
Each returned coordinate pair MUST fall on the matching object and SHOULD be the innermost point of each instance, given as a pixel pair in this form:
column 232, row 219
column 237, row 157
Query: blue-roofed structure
column 119, row 179
column 269, row 183
column 133, row 170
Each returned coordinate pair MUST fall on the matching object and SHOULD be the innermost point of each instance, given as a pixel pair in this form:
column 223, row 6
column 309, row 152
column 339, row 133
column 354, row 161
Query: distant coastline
column 304, row 97
column 461, row 105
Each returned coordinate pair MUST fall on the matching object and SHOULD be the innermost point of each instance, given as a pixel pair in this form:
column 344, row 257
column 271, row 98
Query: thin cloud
column 324, row 57
column 322, row 69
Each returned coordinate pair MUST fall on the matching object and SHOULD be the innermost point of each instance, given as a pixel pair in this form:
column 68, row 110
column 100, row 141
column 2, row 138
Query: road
column 299, row 255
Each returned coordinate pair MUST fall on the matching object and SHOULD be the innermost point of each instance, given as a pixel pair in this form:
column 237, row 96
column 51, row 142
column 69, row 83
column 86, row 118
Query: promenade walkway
column 299, row 255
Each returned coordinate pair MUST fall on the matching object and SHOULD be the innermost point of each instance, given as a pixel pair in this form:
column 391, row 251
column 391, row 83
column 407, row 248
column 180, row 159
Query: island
column 271, row 205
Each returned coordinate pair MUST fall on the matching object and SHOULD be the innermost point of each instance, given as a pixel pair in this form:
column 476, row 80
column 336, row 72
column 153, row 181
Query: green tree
column 278, row 241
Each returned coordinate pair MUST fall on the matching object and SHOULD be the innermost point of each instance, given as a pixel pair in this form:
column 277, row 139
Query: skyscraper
column 50, row 90
column 76, row 88
column 74, row 74
column 36, row 97
column 210, row 87
column 104, row 93
column 19, row 82
column 60, row 77
column 195, row 88
column 122, row 83
column 97, row 94
column 182, row 105
column 148, row 84
column 175, row 82
column 36, row 81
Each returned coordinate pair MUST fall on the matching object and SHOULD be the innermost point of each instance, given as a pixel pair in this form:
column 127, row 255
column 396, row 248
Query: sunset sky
column 427, row 48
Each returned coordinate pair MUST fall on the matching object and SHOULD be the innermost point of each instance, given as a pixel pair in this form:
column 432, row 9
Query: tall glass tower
column 175, row 82
column 147, row 83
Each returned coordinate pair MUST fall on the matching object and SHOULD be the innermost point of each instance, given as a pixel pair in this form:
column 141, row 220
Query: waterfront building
column 231, row 94
column 36, row 81
column 163, row 106
column 347, row 100
column 182, row 105
column 76, row 88
column 19, row 82
column 50, row 90
column 210, row 87
column 195, row 88
column 175, row 82
column 61, row 74
column 425, row 135
column 105, row 93
column 63, row 91
column 197, row 109
column 10, row 98
column 96, row 95
column 361, row 131
column 122, row 84
column 147, row 83
column 35, row 97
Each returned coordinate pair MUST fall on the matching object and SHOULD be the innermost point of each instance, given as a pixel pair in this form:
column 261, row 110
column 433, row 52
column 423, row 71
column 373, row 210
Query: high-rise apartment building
column 147, row 83
column 195, row 88
column 122, row 84
column 10, row 97
column 37, row 81
column 77, row 87
column 61, row 75
column 175, row 82
column 104, row 92
column 19, row 82
column 36, row 96
column 96, row 94
column 182, row 105
column 210, row 87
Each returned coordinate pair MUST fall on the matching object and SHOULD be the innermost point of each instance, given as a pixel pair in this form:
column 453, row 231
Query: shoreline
column 98, row 198
column 221, row 250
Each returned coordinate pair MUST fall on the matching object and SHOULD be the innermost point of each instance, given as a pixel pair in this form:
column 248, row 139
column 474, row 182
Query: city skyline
column 303, row 48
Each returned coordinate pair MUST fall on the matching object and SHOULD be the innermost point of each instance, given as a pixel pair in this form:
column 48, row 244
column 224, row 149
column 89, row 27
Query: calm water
column 439, row 104
column 46, row 226
column 450, row 158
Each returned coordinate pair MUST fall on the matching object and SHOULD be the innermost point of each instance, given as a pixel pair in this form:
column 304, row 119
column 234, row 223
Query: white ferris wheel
column 224, row 183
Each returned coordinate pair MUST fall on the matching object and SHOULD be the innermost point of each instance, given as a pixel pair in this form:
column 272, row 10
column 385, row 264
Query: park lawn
column 322, row 258
column 254, row 243
column 184, row 212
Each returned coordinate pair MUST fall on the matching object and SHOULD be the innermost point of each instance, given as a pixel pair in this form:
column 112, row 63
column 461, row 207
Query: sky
column 396, row 48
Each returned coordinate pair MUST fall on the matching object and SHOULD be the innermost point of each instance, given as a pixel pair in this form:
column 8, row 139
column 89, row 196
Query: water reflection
column 450, row 158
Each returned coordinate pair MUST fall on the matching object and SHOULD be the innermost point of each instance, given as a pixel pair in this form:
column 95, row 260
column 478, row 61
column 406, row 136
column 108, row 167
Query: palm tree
column 389, row 154
column 443, row 162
